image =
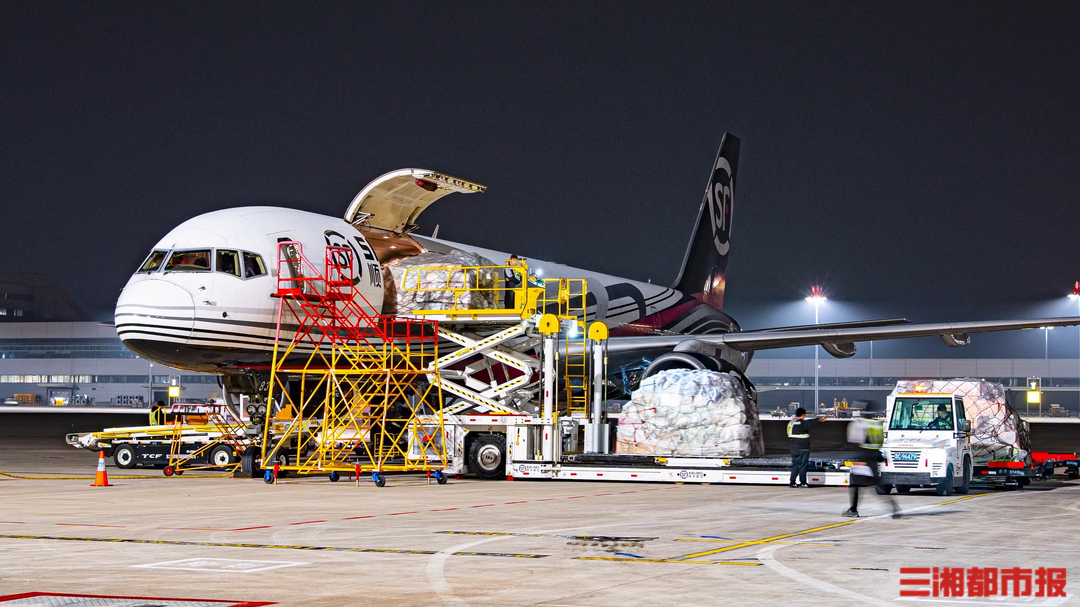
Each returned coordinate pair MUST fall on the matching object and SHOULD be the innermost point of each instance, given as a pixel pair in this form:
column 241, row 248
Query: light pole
column 817, row 297
column 1075, row 295
column 1046, row 344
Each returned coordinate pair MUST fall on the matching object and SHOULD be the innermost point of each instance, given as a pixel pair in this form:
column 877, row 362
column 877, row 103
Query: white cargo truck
column 944, row 433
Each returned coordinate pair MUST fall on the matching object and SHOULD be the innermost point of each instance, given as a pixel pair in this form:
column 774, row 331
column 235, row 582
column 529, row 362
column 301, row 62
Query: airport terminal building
column 84, row 364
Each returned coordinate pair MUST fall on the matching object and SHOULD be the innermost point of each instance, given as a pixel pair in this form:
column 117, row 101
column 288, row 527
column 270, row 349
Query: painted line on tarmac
column 784, row 536
column 683, row 539
column 641, row 560
column 584, row 538
column 215, row 528
column 265, row 546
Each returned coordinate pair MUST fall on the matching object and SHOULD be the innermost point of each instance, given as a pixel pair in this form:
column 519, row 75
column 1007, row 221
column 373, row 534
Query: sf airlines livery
column 202, row 301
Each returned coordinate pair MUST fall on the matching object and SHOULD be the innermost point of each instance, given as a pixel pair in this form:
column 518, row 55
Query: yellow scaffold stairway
column 351, row 390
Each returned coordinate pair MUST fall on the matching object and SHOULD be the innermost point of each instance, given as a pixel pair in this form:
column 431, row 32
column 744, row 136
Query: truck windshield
column 922, row 414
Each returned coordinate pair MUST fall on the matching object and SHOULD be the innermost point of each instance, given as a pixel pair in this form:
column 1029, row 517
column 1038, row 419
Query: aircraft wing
column 953, row 333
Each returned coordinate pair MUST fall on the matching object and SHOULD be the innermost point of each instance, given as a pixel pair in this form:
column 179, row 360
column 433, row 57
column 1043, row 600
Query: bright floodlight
column 817, row 296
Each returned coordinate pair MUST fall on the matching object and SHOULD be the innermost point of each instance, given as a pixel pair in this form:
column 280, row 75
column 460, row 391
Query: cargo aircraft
column 203, row 300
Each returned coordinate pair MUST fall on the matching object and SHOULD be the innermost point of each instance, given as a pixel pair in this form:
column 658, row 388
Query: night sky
column 918, row 159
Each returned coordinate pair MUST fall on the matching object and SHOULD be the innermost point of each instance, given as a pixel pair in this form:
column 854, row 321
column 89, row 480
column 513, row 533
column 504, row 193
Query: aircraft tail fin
column 704, row 269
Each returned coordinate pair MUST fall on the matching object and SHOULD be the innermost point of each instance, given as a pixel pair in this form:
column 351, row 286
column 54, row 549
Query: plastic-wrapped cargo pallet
column 688, row 412
column 997, row 432
column 398, row 300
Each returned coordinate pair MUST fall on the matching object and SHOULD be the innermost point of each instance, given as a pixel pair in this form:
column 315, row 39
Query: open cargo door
column 394, row 201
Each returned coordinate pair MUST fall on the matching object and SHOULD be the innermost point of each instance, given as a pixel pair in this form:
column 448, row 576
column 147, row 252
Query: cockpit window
column 153, row 262
column 253, row 265
column 228, row 262
column 189, row 261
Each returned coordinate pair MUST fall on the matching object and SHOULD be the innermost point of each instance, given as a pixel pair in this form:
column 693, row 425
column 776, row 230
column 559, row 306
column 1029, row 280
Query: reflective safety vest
column 791, row 429
column 866, row 433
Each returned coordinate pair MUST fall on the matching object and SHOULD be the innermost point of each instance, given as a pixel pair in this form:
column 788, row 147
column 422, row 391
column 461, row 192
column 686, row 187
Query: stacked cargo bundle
column 684, row 412
column 428, row 289
column 997, row 432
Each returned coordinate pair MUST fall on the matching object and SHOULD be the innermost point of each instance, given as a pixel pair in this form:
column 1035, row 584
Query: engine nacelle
column 956, row 340
column 842, row 350
column 697, row 360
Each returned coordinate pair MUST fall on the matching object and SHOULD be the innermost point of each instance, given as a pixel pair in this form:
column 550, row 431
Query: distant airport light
column 817, row 296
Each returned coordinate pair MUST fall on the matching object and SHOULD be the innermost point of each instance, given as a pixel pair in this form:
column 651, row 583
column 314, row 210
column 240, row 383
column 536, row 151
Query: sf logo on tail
column 719, row 196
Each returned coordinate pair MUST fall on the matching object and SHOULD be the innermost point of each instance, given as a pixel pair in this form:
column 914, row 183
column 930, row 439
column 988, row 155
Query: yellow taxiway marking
column 262, row 546
column 784, row 536
column 737, row 541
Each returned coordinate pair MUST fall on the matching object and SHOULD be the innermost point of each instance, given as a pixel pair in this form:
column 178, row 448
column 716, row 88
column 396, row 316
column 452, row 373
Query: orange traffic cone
column 101, row 479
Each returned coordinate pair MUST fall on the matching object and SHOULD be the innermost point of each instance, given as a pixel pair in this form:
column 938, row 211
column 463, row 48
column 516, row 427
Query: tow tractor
column 928, row 441
column 179, row 437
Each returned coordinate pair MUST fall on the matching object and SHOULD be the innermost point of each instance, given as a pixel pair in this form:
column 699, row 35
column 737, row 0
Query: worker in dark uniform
column 798, row 432
column 943, row 421
column 512, row 277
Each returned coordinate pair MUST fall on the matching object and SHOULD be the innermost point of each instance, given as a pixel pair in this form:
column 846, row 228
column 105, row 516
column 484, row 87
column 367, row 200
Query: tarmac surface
column 312, row 542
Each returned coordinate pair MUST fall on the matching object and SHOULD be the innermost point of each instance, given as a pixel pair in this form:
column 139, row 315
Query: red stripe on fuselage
column 650, row 324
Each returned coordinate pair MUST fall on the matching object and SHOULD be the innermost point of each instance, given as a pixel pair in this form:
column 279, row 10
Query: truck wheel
column 964, row 488
column 945, row 487
column 1023, row 481
column 903, row 489
column 221, row 456
column 487, row 457
column 883, row 489
column 124, row 456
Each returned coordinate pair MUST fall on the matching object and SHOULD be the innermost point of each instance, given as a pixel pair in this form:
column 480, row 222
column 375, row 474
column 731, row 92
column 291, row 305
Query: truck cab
column 926, row 443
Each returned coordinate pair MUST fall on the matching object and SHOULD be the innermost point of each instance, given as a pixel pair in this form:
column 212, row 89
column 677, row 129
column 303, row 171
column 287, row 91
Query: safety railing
column 472, row 291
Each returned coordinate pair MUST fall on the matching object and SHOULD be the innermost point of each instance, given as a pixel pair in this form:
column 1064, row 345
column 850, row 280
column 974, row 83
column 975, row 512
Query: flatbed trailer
column 496, row 447
column 181, row 437
column 1049, row 462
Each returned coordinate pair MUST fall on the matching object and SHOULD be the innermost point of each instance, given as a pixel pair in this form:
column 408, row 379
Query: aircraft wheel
column 248, row 463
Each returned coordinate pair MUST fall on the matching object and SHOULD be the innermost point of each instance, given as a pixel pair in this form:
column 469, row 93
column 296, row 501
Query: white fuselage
column 213, row 316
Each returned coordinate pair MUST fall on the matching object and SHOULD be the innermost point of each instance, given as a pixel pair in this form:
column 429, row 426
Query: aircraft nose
column 154, row 317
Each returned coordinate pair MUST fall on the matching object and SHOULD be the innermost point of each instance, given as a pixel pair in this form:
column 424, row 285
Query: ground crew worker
column 866, row 437
column 798, row 432
column 512, row 277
